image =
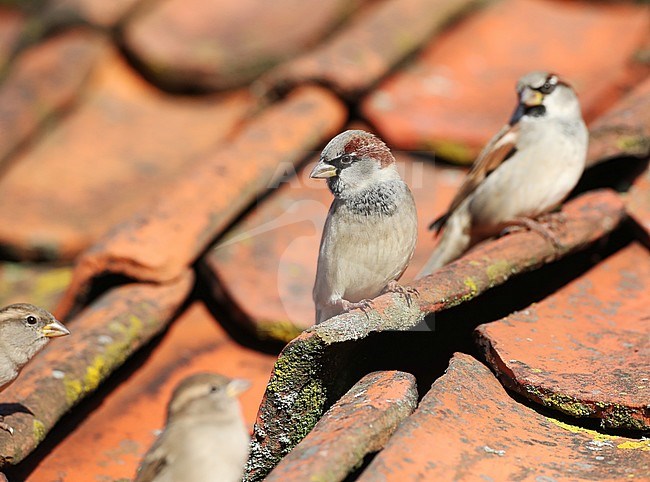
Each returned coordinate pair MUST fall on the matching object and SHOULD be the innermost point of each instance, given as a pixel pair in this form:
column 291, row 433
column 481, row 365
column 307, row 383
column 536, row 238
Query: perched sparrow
column 526, row 170
column 205, row 438
column 24, row 331
column 371, row 227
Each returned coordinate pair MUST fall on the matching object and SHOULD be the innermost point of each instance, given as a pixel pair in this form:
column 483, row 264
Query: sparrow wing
column 500, row 148
column 152, row 464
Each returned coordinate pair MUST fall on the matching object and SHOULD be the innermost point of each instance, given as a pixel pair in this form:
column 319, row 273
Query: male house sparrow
column 371, row 227
column 24, row 331
column 526, row 170
column 205, row 437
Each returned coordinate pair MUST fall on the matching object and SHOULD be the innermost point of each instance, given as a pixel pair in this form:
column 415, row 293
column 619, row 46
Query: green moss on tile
column 473, row 289
column 596, row 436
column 635, row 445
column 51, row 283
column 103, row 364
column 73, row 390
column 39, row 431
column 400, row 315
column 308, row 409
column 618, row 416
column 452, row 151
column 39, row 285
column 299, row 360
column 282, row 330
column 95, row 373
column 633, row 144
column 563, row 403
column 498, row 271
column 612, row 415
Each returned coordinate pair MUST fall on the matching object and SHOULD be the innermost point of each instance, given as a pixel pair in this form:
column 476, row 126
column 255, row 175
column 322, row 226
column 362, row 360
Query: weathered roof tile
column 638, row 201
column 469, row 428
column 368, row 47
column 624, row 130
column 37, row 283
column 585, row 350
column 359, row 423
column 43, row 82
column 12, row 23
column 96, row 12
column 123, row 146
column 200, row 44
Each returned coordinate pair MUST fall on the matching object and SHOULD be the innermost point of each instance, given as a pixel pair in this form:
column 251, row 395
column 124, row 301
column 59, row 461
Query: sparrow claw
column 363, row 305
column 540, row 227
column 554, row 221
column 407, row 292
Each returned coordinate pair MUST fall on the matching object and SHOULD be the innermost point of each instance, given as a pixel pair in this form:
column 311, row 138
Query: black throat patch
column 382, row 199
column 522, row 110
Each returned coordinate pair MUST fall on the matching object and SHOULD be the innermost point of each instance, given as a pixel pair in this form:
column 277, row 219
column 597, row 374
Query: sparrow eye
column 31, row 320
column 213, row 389
column 346, row 159
column 548, row 87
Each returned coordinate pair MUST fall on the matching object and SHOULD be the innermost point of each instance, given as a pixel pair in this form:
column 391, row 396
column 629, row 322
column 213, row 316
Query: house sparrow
column 371, row 228
column 205, row 437
column 24, row 331
column 526, row 170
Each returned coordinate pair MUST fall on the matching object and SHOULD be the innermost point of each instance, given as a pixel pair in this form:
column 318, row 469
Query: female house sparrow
column 526, row 170
column 371, row 228
column 24, row 331
column 205, row 437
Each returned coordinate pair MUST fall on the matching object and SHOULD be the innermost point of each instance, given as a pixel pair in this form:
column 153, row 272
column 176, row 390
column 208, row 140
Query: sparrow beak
column 531, row 98
column 237, row 386
column 323, row 170
column 54, row 329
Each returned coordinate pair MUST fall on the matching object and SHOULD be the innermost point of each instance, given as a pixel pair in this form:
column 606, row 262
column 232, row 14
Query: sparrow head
column 27, row 328
column 205, row 392
column 545, row 95
column 354, row 160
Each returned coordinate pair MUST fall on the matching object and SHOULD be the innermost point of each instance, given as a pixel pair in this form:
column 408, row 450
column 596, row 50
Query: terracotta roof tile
column 124, row 136
column 584, row 350
column 39, row 283
column 142, row 189
column 624, row 130
column 638, row 202
column 43, row 82
column 359, row 423
column 469, row 428
column 12, row 23
column 208, row 45
column 368, row 47
column 96, row 12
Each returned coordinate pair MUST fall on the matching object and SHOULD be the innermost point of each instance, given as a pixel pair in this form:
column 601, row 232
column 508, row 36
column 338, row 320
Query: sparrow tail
column 455, row 240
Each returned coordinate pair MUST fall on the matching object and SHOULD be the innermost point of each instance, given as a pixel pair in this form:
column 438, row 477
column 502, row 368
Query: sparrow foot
column 541, row 228
column 554, row 220
column 363, row 305
column 5, row 426
column 406, row 291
